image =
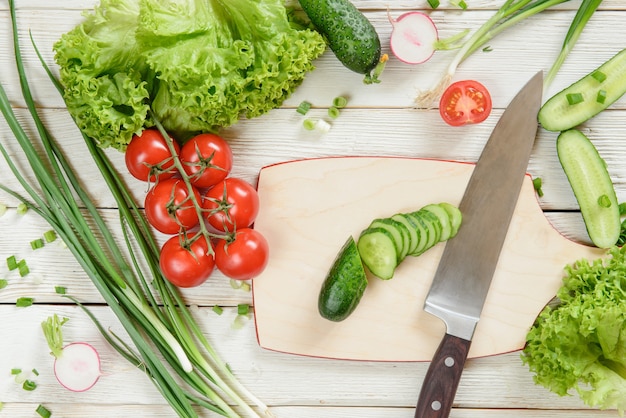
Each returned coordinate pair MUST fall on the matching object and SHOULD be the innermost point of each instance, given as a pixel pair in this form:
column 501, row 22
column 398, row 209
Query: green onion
column 167, row 342
column 488, row 48
column 16, row 371
column 24, row 302
column 29, row 385
column 218, row 309
column 12, row 262
column 601, row 97
column 22, row 268
column 246, row 287
column 36, row 244
column 340, row 102
column 459, row 3
column 604, row 201
column 60, row 290
column 3, row 209
column 22, row 208
column 622, row 208
column 333, row 112
column 433, row 3
column 50, row 236
column 574, row 98
column 43, row 411
column 309, row 124
column 303, row 107
column 537, row 184
column 3, row 283
column 243, row 309
column 598, row 76
column 35, row 372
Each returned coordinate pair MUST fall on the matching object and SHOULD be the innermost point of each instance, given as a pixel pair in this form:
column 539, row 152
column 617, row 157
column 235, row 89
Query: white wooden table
column 380, row 120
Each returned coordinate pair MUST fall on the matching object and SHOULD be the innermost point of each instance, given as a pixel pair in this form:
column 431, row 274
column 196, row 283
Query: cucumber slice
column 444, row 220
column 608, row 81
column 398, row 232
column 433, row 225
column 378, row 252
column 344, row 285
column 413, row 234
column 423, row 231
column 455, row 217
column 587, row 174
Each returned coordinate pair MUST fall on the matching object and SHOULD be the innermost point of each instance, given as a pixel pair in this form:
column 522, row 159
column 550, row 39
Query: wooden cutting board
column 310, row 207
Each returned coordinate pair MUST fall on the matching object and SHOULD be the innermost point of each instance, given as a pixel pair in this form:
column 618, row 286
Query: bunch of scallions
column 169, row 346
column 510, row 13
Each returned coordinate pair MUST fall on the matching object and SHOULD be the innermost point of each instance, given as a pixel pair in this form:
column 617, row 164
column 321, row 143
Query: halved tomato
column 464, row 102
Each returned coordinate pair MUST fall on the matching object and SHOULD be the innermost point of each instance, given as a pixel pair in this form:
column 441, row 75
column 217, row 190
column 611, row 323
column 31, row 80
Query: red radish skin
column 413, row 38
column 78, row 367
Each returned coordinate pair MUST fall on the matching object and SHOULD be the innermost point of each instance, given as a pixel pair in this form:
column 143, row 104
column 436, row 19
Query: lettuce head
column 195, row 65
column 579, row 345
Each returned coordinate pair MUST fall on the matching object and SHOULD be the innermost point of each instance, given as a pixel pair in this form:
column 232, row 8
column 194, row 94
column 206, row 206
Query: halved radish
column 78, row 367
column 414, row 37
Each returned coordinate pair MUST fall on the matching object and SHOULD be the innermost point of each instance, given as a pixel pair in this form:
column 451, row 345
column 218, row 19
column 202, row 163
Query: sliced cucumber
column 444, row 220
column 344, row 285
column 413, row 237
column 590, row 181
column 455, row 217
column 397, row 231
column 423, row 231
column 433, row 225
column 593, row 93
column 378, row 251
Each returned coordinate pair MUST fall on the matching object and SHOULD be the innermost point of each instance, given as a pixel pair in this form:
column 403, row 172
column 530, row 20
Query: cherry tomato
column 207, row 159
column 243, row 258
column 465, row 101
column 232, row 204
column 186, row 263
column 149, row 158
column 168, row 207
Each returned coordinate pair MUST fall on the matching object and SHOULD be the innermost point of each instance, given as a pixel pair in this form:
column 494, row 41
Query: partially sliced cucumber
column 377, row 248
column 608, row 82
column 587, row 174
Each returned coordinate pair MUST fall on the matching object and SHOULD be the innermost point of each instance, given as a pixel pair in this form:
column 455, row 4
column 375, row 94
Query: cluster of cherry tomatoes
column 221, row 236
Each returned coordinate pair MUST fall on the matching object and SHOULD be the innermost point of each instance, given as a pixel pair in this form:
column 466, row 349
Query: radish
column 76, row 365
column 414, row 37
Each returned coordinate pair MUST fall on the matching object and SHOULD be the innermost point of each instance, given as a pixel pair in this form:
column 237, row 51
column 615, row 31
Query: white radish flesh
column 414, row 37
column 78, row 367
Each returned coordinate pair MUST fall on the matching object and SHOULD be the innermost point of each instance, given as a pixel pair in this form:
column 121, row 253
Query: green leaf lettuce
column 580, row 344
column 199, row 65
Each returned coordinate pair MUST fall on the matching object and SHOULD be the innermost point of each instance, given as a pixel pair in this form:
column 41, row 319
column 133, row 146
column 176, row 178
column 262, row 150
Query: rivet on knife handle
column 442, row 378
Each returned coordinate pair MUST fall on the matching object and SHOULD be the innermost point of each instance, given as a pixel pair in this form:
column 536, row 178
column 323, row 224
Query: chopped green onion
column 598, row 75
column 245, row 287
column 322, row 125
column 433, row 3
column 243, row 309
column 23, row 268
column 235, row 284
column 3, row 283
column 622, row 208
column 36, row 244
column 488, row 48
column 601, row 97
column 340, row 102
column 24, row 302
column 60, row 290
column 459, row 3
column 309, row 124
column 43, row 411
column 604, row 201
column 303, row 108
column 218, row 309
column 12, row 262
column 22, row 208
column 574, row 98
column 537, row 183
column 3, row 209
column 35, row 372
column 29, row 385
column 16, row 371
column 333, row 112
column 50, row 236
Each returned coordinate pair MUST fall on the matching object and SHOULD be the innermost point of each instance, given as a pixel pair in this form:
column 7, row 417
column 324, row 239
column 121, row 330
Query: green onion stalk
column 509, row 14
column 167, row 342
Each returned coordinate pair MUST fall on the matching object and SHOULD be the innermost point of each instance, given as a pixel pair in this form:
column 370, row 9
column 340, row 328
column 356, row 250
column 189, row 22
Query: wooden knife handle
column 442, row 378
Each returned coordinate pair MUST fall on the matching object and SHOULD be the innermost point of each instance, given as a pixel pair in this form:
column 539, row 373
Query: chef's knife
column 468, row 262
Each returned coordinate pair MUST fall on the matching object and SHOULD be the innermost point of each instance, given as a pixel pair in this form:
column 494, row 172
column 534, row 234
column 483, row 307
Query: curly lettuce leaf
column 197, row 65
column 580, row 345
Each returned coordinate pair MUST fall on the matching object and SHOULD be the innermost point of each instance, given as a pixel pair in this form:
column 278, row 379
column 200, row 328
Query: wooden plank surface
column 381, row 120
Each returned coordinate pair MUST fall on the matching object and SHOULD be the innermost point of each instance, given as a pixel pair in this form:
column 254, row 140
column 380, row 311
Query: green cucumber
column 444, row 220
column 590, row 181
column 344, row 285
column 587, row 97
column 350, row 35
column 398, row 231
column 412, row 231
column 454, row 215
column 379, row 253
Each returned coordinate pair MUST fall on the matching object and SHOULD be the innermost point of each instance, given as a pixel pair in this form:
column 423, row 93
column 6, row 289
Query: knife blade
column 469, row 260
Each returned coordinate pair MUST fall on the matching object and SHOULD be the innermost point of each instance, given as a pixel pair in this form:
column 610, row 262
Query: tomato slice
column 464, row 102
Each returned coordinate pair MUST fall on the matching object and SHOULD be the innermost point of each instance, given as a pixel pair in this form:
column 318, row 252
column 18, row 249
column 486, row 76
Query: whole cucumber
column 350, row 35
